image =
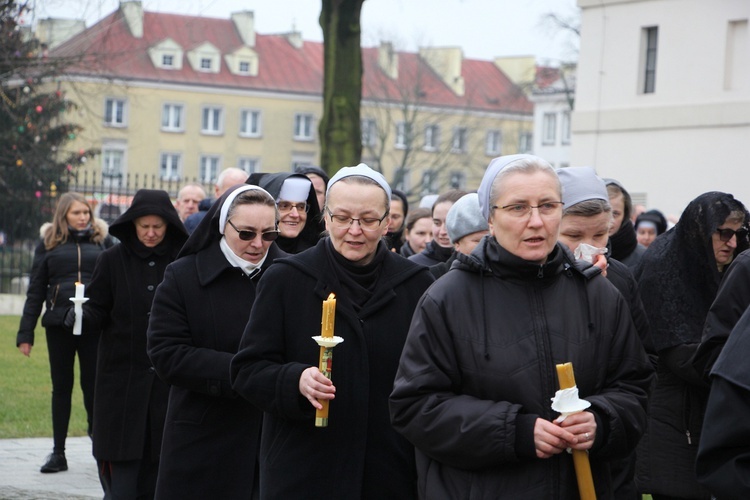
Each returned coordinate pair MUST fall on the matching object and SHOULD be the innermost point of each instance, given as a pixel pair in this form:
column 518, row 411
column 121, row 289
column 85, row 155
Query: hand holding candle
column 574, row 405
column 78, row 301
column 327, row 341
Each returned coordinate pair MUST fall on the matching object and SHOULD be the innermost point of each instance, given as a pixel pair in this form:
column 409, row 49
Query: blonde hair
column 58, row 232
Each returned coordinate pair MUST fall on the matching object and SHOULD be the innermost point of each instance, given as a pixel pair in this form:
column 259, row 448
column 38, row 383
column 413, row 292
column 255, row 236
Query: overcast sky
column 484, row 29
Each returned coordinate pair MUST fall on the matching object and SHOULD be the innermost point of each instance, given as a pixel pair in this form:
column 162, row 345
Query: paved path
column 20, row 479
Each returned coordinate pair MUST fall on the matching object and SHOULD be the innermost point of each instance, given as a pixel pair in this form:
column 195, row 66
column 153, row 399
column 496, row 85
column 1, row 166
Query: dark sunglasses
column 250, row 235
column 726, row 234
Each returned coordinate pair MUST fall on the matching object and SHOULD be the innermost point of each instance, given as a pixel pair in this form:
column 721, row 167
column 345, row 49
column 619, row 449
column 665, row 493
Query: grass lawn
column 26, row 388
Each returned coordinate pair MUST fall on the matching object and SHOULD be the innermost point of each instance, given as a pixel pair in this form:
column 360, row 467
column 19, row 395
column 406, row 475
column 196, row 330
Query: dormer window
column 206, row 63
column 244, row 67
column 167, row 60
column 166, row 54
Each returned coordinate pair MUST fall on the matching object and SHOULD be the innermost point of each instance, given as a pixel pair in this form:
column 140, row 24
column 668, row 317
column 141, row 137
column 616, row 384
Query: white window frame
column 404, row 184
column 174, row 115
column 549, row 129
column 431, row 137
column 243, row 67
column 303, row 126
column 457, row 180
column 369, row 132
column 116, row 112
column 493, row 143
column 206, row 63
column 210, row 166
column 170, row 166
column 250, row 122
column 650, row 43
column 403, row 135
column 113, row 175
column 167, row 60
column 525, row 142
column 249, row 164
column 565, row 127
column 429, row 182
column 460, row 140
column 212, row 120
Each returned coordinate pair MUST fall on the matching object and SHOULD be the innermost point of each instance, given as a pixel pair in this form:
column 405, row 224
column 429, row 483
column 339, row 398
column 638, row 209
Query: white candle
column 78, row 301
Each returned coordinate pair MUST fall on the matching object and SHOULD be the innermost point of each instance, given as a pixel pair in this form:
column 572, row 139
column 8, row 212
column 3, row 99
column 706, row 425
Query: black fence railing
column 109, row 196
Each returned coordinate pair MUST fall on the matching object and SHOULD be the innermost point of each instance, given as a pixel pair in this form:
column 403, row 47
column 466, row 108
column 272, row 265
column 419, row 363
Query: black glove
column 70, row 318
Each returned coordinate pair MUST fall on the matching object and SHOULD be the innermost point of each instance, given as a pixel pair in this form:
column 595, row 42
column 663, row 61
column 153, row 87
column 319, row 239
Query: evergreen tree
column 34, row 162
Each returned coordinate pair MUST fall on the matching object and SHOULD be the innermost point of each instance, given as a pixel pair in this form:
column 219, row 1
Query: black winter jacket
column 54, row 274
column 478, row 369
column 358, row 455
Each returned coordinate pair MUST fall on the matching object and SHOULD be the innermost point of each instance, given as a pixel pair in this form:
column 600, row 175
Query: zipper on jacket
column 54, row 297
column 687, row 433
column 540, row 273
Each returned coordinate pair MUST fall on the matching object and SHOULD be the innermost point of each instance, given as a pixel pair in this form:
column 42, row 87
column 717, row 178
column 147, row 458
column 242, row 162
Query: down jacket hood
column 149, row 202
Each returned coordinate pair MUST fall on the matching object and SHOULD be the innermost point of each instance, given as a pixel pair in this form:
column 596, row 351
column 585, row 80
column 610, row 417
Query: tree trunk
column 339, row 130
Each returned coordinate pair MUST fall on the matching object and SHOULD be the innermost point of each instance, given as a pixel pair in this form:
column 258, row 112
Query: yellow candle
column 580, row 457
column 329, row 315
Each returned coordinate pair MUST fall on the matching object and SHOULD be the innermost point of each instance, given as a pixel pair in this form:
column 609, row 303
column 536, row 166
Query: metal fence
column 108, row 196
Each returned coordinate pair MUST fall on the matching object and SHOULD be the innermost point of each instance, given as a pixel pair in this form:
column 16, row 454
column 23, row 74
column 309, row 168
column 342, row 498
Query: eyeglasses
column 523, row 210
column 250, row 235
column 365, row 223
column 287, row 206
column 726, row 234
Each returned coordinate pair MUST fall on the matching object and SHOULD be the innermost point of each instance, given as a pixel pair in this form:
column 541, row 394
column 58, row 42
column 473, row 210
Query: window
column 206, row 63
column 493, row 143
column 113, row 163
column 457, row 180
column 171, row 118
column 565, row 127
column 431, row 137
column 736, row 71
column 651, row 36
column 402, row 179
column 369, row 132
column 429, row 182
column 459, row 141
column 403, row 135
column 170, row 168
column 244, row 67
column 167, row 60
column 211, row 121
column 249, row 165
column 549, row 128
column 250, row 123
column 524, row 142
column 209, row 170
column 303, row 127
column 114, row 112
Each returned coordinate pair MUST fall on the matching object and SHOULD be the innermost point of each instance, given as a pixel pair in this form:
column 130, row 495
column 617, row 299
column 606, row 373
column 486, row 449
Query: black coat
column 723, row 463
column 478, row 369
column 432, row 254
column 54, row 274
column 200, row 310
column 678, row 280
column 130, row 401
column 358, row 455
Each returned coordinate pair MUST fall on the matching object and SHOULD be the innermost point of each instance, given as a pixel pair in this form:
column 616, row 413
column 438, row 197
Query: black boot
column 56, row 462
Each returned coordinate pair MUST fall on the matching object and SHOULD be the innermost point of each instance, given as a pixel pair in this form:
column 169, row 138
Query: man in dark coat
column 358, row 455
column 130, row 401
column 211, row 435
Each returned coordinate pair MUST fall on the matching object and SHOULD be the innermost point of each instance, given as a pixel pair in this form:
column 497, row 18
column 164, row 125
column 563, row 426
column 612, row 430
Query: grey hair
column 524, row 166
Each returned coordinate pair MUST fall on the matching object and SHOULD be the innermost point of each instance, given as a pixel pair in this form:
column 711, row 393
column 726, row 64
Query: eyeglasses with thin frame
column 287, row 206
column 250, row 235
column 726, row 234
column 523, row 210
column 365, row 223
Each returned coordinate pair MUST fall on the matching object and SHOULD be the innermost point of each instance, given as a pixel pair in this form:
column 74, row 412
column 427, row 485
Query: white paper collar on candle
column 566, row 401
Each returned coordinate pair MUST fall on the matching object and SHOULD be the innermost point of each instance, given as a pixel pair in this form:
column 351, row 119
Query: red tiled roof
column 112, row 51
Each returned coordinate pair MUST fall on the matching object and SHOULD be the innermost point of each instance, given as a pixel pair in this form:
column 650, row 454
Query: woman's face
column 618, row 211
column 250, row 217
column 724, row 250
column 439, row 229
column 468, row 243
column 532, row 236
column 396, row 215
column 645, row 235
column 292, row 220
column 420, row 234
column 150, row 230
column 78, row 216
column 593, row 230
column 356, row 201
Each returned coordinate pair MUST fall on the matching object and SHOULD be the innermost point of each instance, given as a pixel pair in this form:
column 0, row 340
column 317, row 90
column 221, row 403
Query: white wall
column 692, row 134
